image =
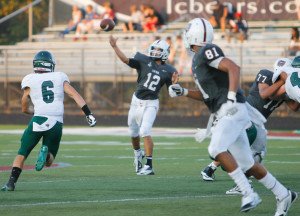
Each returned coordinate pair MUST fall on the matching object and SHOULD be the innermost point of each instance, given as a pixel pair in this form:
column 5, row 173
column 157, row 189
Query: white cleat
column 284, row 205
column 250, row 201
column 236, row 190
column 146, row 170
column 138, row 160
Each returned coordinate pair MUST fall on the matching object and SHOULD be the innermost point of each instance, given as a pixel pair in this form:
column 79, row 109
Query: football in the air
column 107, row 24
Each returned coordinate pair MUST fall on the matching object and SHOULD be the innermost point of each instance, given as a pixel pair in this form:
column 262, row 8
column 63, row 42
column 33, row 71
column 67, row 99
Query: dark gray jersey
column 264, row 106
column 213, row 83
column 151, row 77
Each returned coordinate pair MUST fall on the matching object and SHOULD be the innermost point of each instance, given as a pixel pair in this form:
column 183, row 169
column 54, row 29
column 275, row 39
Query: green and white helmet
column 296, row 62
column 44, row 61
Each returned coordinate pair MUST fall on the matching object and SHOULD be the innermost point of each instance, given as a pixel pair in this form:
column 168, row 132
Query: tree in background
column 16, row 29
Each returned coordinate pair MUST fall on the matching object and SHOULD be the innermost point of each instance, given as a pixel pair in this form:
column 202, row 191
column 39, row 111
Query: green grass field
column 102, row 180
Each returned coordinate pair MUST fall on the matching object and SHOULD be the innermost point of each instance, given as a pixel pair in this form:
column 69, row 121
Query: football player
column 45, row 89
column 265, row 97
column 217, row 78
column 153, row 73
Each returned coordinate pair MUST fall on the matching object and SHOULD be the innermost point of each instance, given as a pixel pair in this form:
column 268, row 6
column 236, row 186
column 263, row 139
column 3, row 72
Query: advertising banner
column 251, row 9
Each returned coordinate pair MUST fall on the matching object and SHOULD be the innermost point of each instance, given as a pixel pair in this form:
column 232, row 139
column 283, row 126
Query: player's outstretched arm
column 81, row 103
column 26, row 101
column 120, row 54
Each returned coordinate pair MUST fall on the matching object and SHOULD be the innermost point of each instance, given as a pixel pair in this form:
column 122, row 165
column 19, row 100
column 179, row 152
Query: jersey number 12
column 153, row 81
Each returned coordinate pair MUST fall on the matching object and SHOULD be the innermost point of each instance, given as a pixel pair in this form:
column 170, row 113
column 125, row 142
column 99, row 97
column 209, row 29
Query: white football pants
column 230, row 134
column 141, row 116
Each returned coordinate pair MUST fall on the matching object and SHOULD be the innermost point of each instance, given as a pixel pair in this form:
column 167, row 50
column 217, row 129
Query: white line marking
column 110, row 201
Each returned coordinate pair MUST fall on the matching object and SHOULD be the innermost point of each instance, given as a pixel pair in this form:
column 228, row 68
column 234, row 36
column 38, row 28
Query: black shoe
column 8, row 187
column 208, row 174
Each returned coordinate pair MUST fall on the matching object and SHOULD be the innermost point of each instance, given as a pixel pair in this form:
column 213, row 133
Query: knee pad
column 145, row 130
column 213, row 151
column 133, row 131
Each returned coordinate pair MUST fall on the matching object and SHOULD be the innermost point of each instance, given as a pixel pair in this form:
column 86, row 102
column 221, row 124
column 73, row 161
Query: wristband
column 231, row 96
column 185, row 92
column 86, row 110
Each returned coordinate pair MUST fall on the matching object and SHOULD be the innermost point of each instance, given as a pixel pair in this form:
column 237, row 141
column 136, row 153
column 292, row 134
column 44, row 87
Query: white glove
column 201, row 135
column 91, row 120
column 176, row 90
column 229, row 108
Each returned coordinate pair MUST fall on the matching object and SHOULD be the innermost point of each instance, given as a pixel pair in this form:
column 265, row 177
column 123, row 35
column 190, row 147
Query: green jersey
column 212, row 82
column 151, row 76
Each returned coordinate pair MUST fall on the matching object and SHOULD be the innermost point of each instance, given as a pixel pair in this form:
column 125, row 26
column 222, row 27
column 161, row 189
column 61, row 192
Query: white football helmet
column 279, row 66
column 198, row 32
column 159, row 50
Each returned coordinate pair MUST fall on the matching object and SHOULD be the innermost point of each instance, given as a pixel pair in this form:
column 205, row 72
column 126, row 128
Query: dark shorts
column 51, row 138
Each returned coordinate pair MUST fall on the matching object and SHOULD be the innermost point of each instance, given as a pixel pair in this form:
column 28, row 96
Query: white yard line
column 123, row 131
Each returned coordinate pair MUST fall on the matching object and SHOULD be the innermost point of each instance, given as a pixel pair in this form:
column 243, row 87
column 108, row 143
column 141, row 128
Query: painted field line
column 111, row 201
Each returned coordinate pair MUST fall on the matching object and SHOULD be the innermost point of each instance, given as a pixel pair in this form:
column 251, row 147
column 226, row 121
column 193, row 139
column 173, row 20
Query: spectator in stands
column 239, row 28
column 178, row 50
column 218, row 19
column 134, row 23
column 294, row 44
column 108, row 14
column 82, row 26
column 152, row 21
column 76, row 18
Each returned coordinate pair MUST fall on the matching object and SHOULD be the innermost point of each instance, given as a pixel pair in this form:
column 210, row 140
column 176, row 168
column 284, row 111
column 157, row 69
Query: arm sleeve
column 134, row 63
column 25, row 82
column 213, row 55
column 65, row 78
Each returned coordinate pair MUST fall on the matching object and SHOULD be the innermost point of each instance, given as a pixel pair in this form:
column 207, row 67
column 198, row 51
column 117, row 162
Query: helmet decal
column 187, row 28
column 204, row 40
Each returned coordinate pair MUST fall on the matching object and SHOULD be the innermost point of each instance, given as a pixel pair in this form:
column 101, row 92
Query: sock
column 137, row 150
column 271, row 183
column 149, row 161
column 48, row 156
column 242, row 182
column 15, row 173
column 213, row 166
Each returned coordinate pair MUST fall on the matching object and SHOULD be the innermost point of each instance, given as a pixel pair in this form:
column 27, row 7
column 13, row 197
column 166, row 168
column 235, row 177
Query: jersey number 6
column 48, row 95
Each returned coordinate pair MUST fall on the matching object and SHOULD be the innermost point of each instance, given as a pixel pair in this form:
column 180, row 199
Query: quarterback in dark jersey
column 153, row 73
column 217, row 78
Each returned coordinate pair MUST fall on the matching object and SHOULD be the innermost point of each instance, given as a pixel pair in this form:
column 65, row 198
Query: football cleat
column 138, row 160
column 250, row 201
column 236, row 190
column 8, row 187
column 146, row 170
column 284, row 205
column 208, row 173
column 41, row 160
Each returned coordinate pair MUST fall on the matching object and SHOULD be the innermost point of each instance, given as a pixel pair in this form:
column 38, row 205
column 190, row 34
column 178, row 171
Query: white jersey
column 292, row 85
column 47, row 93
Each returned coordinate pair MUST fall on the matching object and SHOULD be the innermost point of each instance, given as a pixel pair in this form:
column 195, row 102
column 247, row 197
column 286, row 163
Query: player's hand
column 176, row 90
column 175, row 77
column 91, row 120
column 283, row 76
column 113, row 41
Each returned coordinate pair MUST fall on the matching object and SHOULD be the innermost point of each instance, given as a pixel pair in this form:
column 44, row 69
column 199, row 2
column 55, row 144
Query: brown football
column 107, row 24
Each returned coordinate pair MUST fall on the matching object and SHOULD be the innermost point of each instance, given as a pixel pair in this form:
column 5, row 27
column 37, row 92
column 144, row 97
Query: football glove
column 229, row 108
column 176, row 90
column 91, row 120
